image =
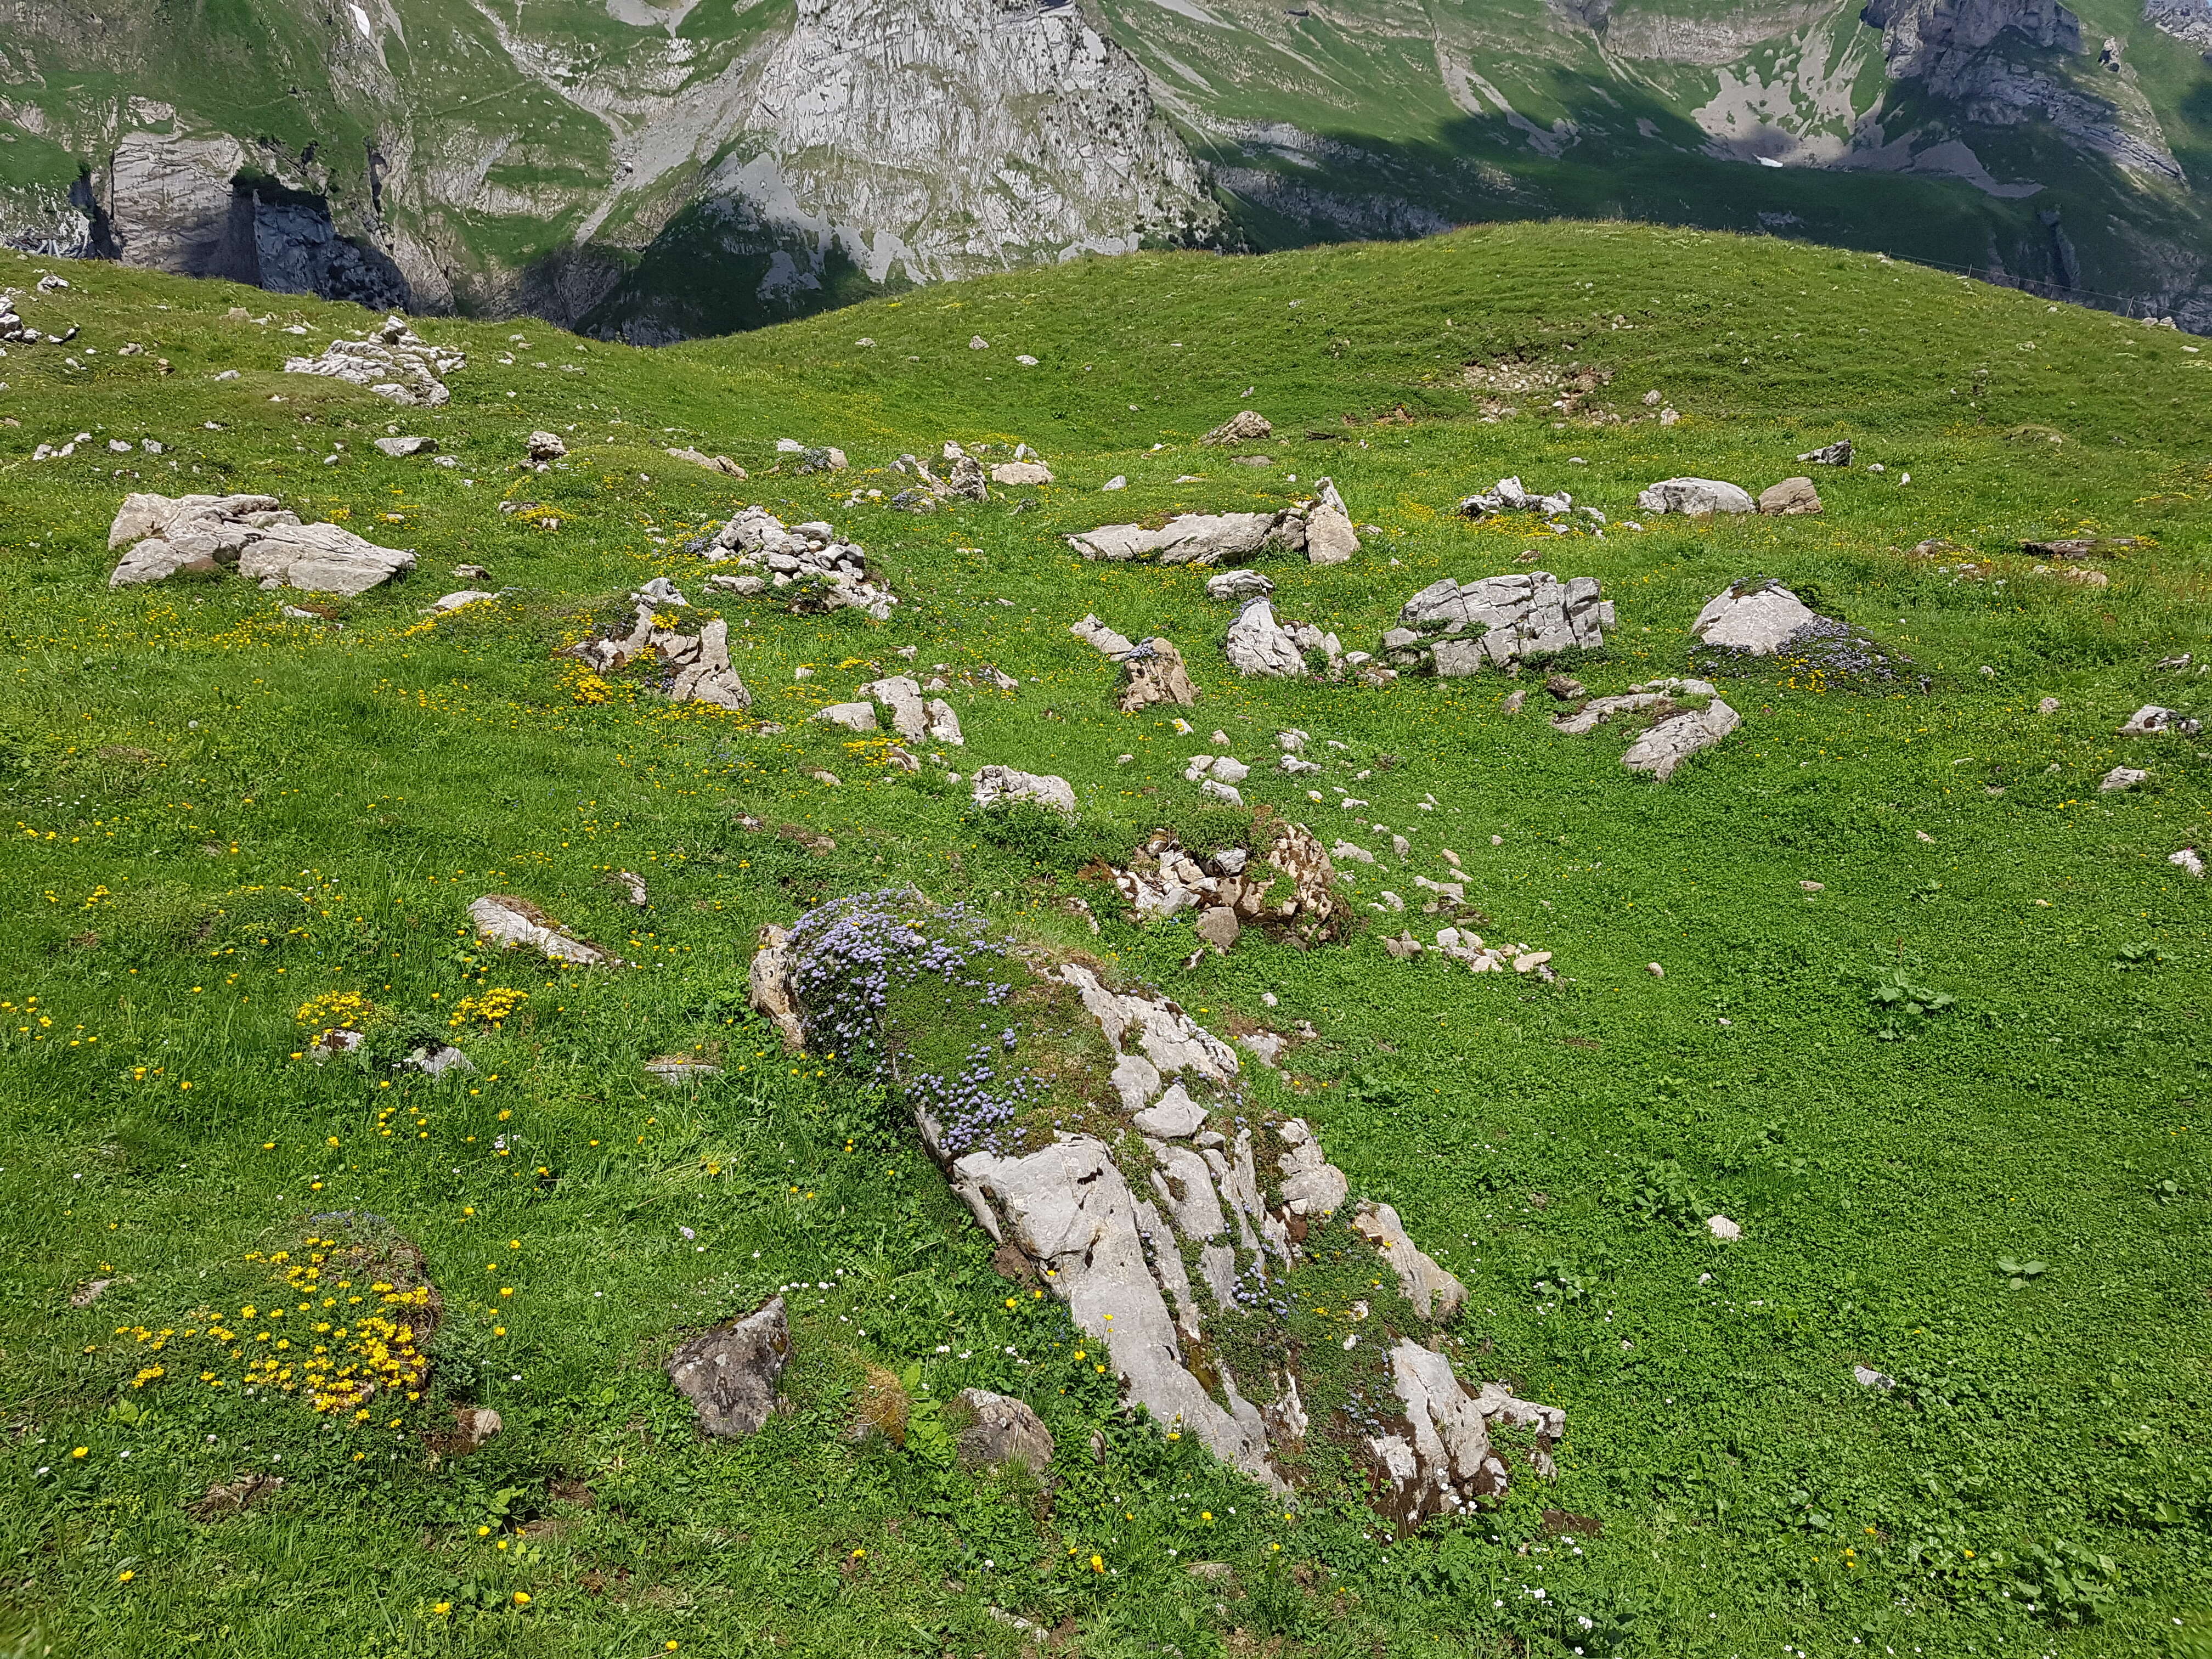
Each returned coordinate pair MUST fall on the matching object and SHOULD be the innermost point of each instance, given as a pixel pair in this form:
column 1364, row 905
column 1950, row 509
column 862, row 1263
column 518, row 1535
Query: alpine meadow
column 1485, row 946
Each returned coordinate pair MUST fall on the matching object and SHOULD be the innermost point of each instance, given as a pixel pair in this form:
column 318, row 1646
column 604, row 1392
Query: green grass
column 215, row 815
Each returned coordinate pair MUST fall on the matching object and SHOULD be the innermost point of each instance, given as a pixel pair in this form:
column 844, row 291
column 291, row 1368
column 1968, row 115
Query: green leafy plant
column 1905, row 1004
column 2019, row 1275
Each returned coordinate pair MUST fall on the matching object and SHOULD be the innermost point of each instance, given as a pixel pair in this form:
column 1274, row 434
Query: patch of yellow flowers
column 494, row 1007
column 339, row 1362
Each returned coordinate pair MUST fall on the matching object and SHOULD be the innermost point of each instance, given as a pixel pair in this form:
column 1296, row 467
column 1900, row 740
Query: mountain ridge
column 652, row 172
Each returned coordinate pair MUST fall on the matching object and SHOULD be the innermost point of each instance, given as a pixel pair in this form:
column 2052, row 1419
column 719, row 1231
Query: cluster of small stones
column 1452, row 628
column 699, row 664
column 254, row 535
column 15, row 331
column 1163, row 1234
column 394, row 362
column 1288, row 886
column 806, row 563
column 1510, row 495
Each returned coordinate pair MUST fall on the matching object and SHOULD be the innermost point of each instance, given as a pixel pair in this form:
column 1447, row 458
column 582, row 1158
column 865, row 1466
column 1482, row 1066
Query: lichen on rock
column 1114, row 1144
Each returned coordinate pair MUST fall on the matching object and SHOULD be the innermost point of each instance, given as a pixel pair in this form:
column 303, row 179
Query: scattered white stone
column 2152, row 720
column 2188, row 861
column 993, row 784
column 1238, row 584
column 517, row 924
column 1722, row 1229
column 1698, row 497
column 2121, row 777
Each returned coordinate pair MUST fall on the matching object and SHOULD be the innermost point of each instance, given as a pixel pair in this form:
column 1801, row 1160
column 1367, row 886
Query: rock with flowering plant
column 694, row 666
column 1109, row 1138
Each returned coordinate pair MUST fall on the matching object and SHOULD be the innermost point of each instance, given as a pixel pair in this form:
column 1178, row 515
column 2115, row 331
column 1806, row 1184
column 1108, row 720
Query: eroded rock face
column 730, row 1373
column 202, row 535
column 1176, row 1245
column 1455, row 629
column 1155, row 672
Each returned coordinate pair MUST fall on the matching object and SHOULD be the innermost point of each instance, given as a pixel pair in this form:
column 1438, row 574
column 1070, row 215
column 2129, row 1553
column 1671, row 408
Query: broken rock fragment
column 990, row 1431
column 996, row 784
column 730, row 1373
column 1696, row 497
column 1246, row 425
column 517, row 924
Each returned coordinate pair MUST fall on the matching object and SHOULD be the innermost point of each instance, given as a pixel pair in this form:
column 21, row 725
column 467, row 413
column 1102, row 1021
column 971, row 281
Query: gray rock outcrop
column 730, row 1373
column 1696, row 497
column 1194, row 1216
column 394, row 362
column 1756, row 616
column 995, row 784
column 516, row 924
column 200, row 535
column 1321, row 529
column 1246, row 425
column 990, row 1431
column 701, row 661
column 1455, row 629
column 806, row 564
column 1259, row 646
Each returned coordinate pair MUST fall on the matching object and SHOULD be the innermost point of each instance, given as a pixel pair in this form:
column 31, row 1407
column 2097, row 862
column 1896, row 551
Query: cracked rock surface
column 1112, row 1141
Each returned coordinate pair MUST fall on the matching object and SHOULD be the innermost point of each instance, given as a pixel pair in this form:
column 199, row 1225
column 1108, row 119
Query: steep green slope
column 218, row 813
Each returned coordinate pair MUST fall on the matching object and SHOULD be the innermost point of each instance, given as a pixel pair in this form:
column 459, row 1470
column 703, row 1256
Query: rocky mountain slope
column 650, row 172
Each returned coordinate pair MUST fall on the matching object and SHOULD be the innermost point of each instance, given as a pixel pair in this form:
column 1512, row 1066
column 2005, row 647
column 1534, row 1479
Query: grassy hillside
column 218, row 816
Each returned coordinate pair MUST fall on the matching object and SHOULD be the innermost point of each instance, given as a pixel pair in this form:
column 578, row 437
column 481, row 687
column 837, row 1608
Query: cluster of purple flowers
column 1253, row 1294
column 847, row 956
column 975, row 1107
